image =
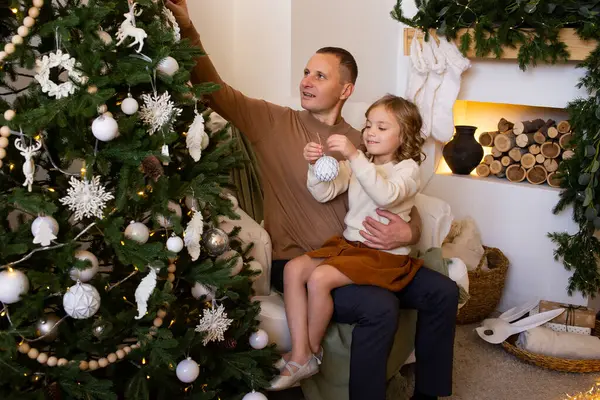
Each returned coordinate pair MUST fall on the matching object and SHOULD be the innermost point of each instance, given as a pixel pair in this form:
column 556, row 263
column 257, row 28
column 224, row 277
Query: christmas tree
column 115, row 279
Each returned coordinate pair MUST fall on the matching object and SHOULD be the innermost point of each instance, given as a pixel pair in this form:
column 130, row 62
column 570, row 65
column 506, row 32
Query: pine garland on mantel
column 534, row 25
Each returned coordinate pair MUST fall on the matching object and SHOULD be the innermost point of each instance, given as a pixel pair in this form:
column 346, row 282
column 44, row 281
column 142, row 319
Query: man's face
column 322, row 86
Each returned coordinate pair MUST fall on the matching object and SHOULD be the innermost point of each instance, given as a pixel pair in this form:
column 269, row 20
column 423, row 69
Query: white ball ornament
column 166, row 222
column 85, row 275
column 138, row 232
column 175, row 244
column 37, row 223
column 105, row 128
column 105, row 37
column 130, row 105
column 254, row 396
column 168, row 66
column 259, row 339
column 81, row 301
column 187, row 370
column 199, row 290
column 326, row 168
column 229, row 255
column 13, row 284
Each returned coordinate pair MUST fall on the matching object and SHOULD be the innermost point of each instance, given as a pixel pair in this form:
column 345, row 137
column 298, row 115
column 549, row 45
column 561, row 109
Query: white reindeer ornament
column 128, row 29
column 28, row 166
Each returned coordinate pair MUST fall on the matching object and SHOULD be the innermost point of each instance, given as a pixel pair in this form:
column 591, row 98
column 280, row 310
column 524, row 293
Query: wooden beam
column 579, row 49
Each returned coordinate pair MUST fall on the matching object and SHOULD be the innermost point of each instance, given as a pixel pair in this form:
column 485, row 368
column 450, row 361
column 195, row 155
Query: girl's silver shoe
column 280, row 364
column 282, row 382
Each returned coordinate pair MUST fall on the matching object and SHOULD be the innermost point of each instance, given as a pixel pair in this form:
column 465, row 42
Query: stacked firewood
column 529, row 150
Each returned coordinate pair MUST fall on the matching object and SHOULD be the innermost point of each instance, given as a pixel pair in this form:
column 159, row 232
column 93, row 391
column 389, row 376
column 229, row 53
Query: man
column 297, row 223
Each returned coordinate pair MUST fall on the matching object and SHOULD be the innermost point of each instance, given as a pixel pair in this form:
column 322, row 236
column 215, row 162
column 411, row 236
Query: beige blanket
column 545, row 341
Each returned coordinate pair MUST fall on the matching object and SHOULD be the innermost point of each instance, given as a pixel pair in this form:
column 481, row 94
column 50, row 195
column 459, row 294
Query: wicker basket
column 553, row 363
column 485, row 287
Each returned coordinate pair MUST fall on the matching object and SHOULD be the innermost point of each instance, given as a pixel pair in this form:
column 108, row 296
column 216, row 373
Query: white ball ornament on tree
column 230, row 255
column 138, row 232
column 255, row 396
column 105, row 37
column 259, row 339
column 85, row 275
column 13, row 285
column 187, row 370
column 44, row 229
column 326, row 168
column 105, row 128
column 81, row 301
column 168, row 66
column 175, row 244
column 199, row 290
column 129, row 105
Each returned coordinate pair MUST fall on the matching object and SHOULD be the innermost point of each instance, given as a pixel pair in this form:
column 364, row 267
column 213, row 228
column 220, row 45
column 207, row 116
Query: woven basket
column 485, row 287
column 553, row 363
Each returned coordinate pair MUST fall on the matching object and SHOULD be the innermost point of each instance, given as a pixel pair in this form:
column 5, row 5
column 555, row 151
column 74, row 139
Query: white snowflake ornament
column 86, row 198
column 214, row 322
column 158, row 111
column 58, row 60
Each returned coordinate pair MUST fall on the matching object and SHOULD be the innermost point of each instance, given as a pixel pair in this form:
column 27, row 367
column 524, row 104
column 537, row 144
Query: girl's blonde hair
column 410, row 121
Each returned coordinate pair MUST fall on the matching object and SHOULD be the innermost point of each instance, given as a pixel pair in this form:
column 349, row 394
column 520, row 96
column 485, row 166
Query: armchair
column 332, row 381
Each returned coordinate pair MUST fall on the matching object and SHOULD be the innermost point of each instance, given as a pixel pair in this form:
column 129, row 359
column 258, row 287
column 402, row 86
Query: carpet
column 483, row 371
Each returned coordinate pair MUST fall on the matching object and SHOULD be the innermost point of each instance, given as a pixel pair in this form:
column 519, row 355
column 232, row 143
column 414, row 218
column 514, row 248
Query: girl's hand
column 312, row 152
column 342, row 144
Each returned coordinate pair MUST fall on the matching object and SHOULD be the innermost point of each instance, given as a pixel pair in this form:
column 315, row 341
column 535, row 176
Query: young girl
column 386, row 177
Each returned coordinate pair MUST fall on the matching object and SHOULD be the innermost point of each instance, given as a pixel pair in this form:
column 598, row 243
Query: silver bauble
column 101, row 328
column 45, row 327
column 216, row 241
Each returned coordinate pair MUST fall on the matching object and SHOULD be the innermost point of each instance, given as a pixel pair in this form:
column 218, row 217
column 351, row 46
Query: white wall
column 261, row 47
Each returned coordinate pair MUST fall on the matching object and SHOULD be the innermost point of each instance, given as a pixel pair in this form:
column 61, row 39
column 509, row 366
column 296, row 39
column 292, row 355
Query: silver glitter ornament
column 101, row 328
column 46, row 327
column 216, row 241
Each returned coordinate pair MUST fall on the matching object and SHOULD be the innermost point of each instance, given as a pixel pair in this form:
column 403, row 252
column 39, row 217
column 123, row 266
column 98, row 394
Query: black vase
column 463, row 153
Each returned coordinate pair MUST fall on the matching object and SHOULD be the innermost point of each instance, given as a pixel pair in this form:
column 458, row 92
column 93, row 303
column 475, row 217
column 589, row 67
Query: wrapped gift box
column 573, row 316
column 562, row 327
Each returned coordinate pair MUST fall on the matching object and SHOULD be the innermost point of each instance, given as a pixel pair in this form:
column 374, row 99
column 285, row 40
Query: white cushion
column 436, row 217
column 273, row 321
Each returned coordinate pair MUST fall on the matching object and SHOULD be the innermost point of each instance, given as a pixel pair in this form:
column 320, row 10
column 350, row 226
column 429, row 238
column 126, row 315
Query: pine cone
column 152, row 168
column 230, row 343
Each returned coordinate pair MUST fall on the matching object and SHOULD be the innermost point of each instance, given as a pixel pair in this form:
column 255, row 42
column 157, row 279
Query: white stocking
column 443, row 122
column 418, row 70
column 437, row 67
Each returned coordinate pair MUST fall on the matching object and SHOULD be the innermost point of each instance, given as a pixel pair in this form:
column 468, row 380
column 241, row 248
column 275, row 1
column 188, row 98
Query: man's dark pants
column 375, row 312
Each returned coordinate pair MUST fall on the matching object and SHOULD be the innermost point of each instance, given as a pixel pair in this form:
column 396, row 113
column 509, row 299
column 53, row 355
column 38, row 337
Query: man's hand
column 342, row 144
column 180, row 11
column 397, row 233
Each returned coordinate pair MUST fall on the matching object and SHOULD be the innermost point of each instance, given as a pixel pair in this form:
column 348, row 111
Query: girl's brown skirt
column 366, row 266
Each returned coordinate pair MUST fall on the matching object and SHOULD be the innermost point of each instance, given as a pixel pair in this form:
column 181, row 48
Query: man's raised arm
column 253, row 117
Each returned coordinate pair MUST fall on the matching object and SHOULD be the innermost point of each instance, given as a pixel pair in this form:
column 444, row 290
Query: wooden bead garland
column 91, row 365
column 23, row 30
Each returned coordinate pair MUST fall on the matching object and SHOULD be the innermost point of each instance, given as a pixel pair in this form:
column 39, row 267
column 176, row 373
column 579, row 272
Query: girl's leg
column 295, row 277
column 320, row 303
